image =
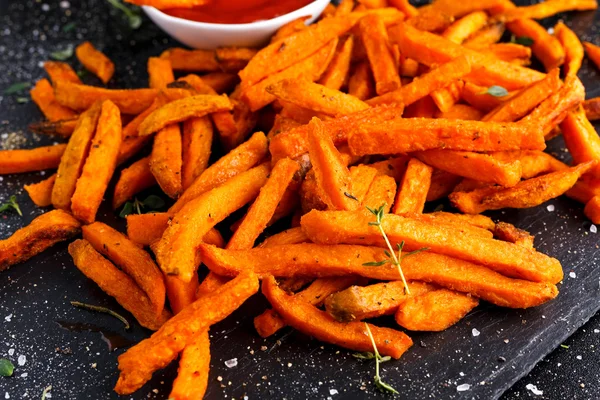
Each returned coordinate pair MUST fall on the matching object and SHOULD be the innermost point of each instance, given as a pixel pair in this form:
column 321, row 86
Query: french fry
column 165, row 161
column 62, row 128
column 510, row 52
column 406, row 135
column 133, row 179
column 424, row 108
column 442, row 184
column 434, row 311
column 362, row 177
column 191, row 60
column 478, row 166
column 458, row 9
column 175, row 252
column 463, row 28
column 592, row 209
column 82, row 97
column 422, row 86
column 43, row 96
column 263, row 208
column 393, row 167
column 584, row 190
column 221, row 82
column 331, row 227
column 486, row 36
column 510, row 233
column 528, row 193
column 233, row 59
column 134, row 261
column 95, row 61
column 533, row 163
column 181, row 110
column 592, row 109
column 197, row 139
column 547, row 9
column 413, row 189
column 211, row 283
column 38, row 159
column 235, row 162
column 73, row 159
column 382, row 191
column 311, row 197
column 194, row 364
column 179, row 293
column 316, row 97
column 405, row 6
column 99, row 165
column 139, row 362
column 581, row 138
column 292, row 27
column 448, row 220
column 336, row 74
column 360, row 83
column 43, row 232
column 479, row 97
column 458, row 220
column 289, row 236
column 593, row 53
column 160, row 72
column 461, row 112
column 308, row 319
column 430, row 21
column 545, row 47
column 446, row 98
column 130, row 146
column 363, row 302
column 41, row 193
column 60, row 71
column 332, row 176
column 572, row 47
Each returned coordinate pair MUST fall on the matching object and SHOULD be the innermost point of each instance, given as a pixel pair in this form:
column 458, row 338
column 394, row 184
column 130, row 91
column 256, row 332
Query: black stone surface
column 34, row 297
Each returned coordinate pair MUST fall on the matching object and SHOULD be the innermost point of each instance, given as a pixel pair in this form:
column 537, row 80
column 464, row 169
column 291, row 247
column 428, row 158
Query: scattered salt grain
column 8, row 318
column 6, row 395
column 21, row 360
column 464, row 387
column 534, row 389
column 475, row 332
column 333, row 391
column 579, row 357
column 596, row 330
column 593, row 229
column 24, row 375
column 231, row 363
column 572, row 275
column 550, row 207
column 461, row 373
column 11, row 352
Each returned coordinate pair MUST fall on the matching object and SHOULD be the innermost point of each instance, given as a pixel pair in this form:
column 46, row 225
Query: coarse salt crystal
column 6, row 395
column 475, row 332
column 8, row 318
column 593, row 229
column 333, row 391
column 461, row 373
column 596, row 330
column 464, row 387
column 24, row 375
column 11, row 352
column 534, row 389
column 21, row 360
column 579, row 357
column 550, row 207
column 572, row 274
column 231, row 363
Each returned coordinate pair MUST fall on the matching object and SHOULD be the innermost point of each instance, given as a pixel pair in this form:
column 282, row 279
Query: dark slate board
column 34, row 297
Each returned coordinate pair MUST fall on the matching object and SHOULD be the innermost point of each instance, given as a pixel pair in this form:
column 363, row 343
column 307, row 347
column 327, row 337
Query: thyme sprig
column 379, row 383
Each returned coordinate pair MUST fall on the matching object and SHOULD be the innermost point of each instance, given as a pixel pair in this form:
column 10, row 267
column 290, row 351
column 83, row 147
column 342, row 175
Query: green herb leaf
column 6, row 367
column 45, row 392
column 367, row 355
column 384, row 359
column 387, row 253
column 384, row 387
column 102, row 310
column 440, row 207
column 376, row 263
column 22, row 100
column 69, row 27
column 564, row 346
column 127, row 209
column 11, row 204
column 522, row 40
column 153, row 202
column 133, row 15
column 496, row 91
column 17, row 87
column 82, row 73
column 62, row 55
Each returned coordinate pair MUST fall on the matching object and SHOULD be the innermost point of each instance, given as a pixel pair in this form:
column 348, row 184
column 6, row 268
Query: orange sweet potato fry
column 420, row 87
column 197, row 142
column 99, row 165
column 183, row 109
column 330, row 227
column 547, row 9
column 235, row 162
column 363, row 302
column 139, row 362
column 82, row 97
column 43, row 95
column 40, row 158
column 584, row 190
column 60, row 71
column 592, row 209
column 413, row 189
column 160, row 72
column 461, row 112
column 466, row 226
column 533, row 163
column 479, row 98
column 289, row 236
column 116, row 284
column 43, row 232
column 62, row 128
column 308, row 319
column 430, row 21
column 581, row 138
column 133, row 179
column 446, row 98
column 478, row 166
column 486, row 36
column 463, row 28
column 382, row 191
column 459, row 220
column 336, row 74
column 424, row 108
column 191, row 60
column 179, row 293
column 221, row 82
column 406, row 135
column 593, row 53
column 41, row 193
column 545, row 46
column 442, row 184
column 528, row 193
column 130, row 146
column 194, row 364
column 572, row 47
column 73, row 160
column 434, row 311
column 510, row 233
column 263, row 208
column 95, row 61
column 592, row 108
column 165, row 161
column 176, row 251
column 233, row 59
column 404, row 5
column 332, row 175
column 134, row 261
column 290, row 28
column 362, row 177
column 360, row 83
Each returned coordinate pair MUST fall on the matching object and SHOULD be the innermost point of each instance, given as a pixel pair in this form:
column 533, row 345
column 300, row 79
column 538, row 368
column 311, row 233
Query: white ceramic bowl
column 201, row 35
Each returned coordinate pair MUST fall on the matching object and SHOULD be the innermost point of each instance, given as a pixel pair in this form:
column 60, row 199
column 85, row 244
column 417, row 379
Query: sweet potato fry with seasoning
column 191, row 60
column 221, row 82
column 43, row 232
column 290, row 28
column 73, row 160
column 308, row 319
column 510, row 52
column 461, row 112
column 183, row 109
column 139, row 362
column 478, row 166
column 176, row 251
column 382, row 191
column 133, row 179
column 332, row 175
column 547, row 9
column 194, row 364
column 116, row 284
column 545, row 46
column 82, row 97
column 442, row 184
column 331, row 227
column 233, row 59
column 240, row 159
column 95, row 61
column 130, row 146
column 316, row 97
column 160, row 72
column 270, row 322
column 581, row 138
column 533, row 163
column 362, row 177
column 310, row 68
column 197, row 139
column 510, row 233
column 446, row 98
column 572, row 46
column 134, row 261
column 454, row 221
column 593, row 53
column 592, row 209
column 289, row 236
column 592, row 109
column 486, row 36
column 360, row 83
column 528, row 193
column 479, row 97
column 413, row 189
column 62, row 128
column 38, row 159
column 165, row 160
column 336, row 74
column 460, row 30
column 584, row 190
column 406, row 135
column 425, row 84
column 263, row 208
column 363, row 302
column 41, row 193
column 60, row 71
column 43, row 96
column 99, row 165
column 405, row 6
column 434, row 311
column 179, row 293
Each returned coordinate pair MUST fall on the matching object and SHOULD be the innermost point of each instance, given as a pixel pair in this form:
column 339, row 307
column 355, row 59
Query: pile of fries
column 371, row 112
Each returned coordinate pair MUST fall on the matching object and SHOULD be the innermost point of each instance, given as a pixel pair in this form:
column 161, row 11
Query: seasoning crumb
column 506, row 340
column 231, row 363
column 531, row 387
column 464, row 387
column 263, row 348
column 219, row 378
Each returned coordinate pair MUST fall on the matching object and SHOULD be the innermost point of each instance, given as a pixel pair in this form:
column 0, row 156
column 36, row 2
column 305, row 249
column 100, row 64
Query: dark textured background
column 34, row 297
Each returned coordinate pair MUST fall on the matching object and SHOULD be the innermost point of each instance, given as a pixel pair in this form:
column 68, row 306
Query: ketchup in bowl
column 238, row 11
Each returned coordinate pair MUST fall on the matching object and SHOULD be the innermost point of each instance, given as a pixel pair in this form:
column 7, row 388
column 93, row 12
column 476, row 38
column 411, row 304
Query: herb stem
column 395, row 259
column 105, row 310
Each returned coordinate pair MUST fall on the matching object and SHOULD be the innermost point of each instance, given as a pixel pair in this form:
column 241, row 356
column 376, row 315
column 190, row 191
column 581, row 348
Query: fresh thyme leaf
column 127, row 209
column 381, row 385
column 384, row 387
column 133, row 15
column 376, row 263
column 11, row 203
column 367, row 355
column 153, row 202
column 101, row 309
column 69, row 27
column 387, row 253
column 564, row 346
column 45, row 392
column 6, row 367
column 348, row 195
column 17, row 87
column 64, row 54
column 496, row 91
column 384, row 359
column 372, row 210
column 82, row 73
column 22, row 100
column 374, row 223
column 522, row 40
